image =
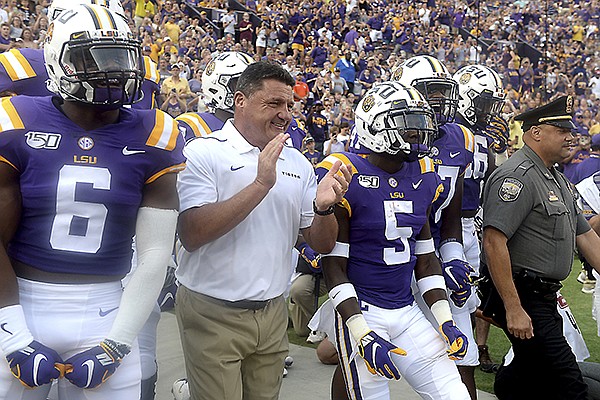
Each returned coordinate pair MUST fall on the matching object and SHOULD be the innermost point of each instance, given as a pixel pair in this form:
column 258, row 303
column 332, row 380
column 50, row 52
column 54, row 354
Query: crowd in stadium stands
column 337, row 49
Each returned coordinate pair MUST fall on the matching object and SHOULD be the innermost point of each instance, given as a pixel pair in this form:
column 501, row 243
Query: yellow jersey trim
column 168, row 170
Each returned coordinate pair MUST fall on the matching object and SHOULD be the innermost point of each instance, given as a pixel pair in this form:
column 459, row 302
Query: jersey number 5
column 70, row 213
column 394, row 232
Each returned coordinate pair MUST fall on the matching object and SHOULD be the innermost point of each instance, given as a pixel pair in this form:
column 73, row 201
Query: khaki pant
column 232, row 353
column 302, row 302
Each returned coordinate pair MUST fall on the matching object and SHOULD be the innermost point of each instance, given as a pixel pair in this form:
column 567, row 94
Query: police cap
column 558, row 113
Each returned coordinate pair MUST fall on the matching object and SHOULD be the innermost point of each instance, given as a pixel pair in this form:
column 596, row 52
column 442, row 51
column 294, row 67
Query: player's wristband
column 452, row 250
column 329, row 211
column 424, row 246
column 357, row 325
column 431, row 282
column 14, row 334
column 342, row 292
column 339, row 250
column 441, row 311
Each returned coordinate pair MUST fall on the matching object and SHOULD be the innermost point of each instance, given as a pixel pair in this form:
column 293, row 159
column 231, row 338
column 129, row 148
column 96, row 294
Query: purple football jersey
column 452, row 152
column 150, row 86
column 22, row 71
column 387, row 213
column 587, row 167
column 199, row 124
column 81, row 190
column 476, row 172
column 296, row 133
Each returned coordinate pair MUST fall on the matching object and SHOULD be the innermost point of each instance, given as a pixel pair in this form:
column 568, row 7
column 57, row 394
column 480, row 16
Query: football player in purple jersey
column 452, row 152
column 481, row 98
column 219, row 80
column 80, row 175
column 22, row 71
column 384, row 238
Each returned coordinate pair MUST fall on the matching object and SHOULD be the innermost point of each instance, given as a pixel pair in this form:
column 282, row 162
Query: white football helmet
column 59, row 6
column 92, row 57
column 220, row 76
column 481, row 94
column 430, row 77
column 386, row 116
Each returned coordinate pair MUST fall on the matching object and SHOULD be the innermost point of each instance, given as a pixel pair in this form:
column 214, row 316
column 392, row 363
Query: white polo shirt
column 250, row 262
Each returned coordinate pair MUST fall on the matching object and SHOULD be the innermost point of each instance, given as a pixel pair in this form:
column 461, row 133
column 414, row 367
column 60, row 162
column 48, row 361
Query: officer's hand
column 34, row 365
column 376, row 352
column 457, row 342
column 499, row 131
column 518, row 323
column 91, row 368
column 311, row 257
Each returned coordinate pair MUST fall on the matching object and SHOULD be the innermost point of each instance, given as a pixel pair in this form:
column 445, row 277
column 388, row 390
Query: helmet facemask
column 394, row 130
column 101, row 71
column 442, row 96
column 486, row 106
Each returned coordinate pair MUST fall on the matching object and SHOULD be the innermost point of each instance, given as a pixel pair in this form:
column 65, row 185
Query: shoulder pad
column 196, row 123
column 469, row 138
column 9, row 117
column 426, row 165
column 16, row 65
column 164, row 131
column 328, row 162
column 151, row 70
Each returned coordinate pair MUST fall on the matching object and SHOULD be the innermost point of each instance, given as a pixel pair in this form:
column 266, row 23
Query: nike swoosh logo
column 4, row 329
column 90, row 367
column 103, row 313
column 333, row 296
column 167, row 297
column 449, row 274
column 36, row 366
column 417, row 184
column 127, row 152
column 452, row 155
column 236, row 168
column 374, row 350
column 78, row 35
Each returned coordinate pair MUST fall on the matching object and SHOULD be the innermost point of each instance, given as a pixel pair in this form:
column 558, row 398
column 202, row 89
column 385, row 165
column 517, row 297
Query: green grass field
column 581, row 306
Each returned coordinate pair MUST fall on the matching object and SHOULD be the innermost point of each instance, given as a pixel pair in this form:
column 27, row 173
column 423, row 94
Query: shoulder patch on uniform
column 469, row 138
column 510, row 189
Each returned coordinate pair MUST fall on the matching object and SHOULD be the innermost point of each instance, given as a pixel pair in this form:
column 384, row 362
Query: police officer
column 531, row 227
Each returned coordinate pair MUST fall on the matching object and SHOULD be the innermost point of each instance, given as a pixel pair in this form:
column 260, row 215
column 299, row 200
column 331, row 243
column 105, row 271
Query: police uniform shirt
column 534, row 207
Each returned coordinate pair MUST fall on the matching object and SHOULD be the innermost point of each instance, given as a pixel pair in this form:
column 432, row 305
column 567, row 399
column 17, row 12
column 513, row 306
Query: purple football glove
column 34, row 365
column 311, row 257
column 457, row 342
column 376, row 352
column 499, row 132
column 91, row 368
column 457, row 275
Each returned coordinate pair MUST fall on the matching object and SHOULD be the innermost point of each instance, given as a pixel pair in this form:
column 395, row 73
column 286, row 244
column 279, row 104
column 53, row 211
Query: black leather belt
column 242, row 304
